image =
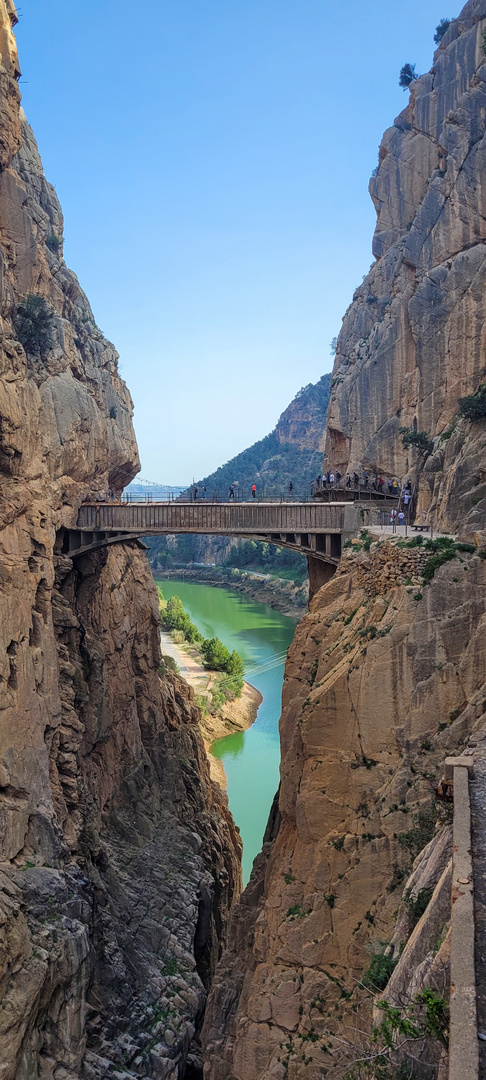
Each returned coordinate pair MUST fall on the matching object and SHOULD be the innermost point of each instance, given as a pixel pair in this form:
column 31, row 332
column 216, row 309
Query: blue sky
column 212, row 159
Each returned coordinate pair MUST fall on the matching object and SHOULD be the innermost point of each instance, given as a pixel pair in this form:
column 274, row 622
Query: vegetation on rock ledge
column 33, row 324
column 473, row 407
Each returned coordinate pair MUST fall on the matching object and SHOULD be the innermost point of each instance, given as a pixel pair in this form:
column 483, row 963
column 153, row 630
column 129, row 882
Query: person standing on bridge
column 291, row 487
column 253, row 490
column 194, row 492
column 356, row 480
column 348, row 480
column 232, row 491
column 331, row 479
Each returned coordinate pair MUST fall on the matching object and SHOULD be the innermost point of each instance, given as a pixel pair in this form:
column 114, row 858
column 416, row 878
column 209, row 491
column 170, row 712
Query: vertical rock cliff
column 413, row 340
column 119, row 859
column 387, row 672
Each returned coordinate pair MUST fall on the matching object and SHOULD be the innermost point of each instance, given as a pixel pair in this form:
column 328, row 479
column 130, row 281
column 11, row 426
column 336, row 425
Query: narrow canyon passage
column 250, row 758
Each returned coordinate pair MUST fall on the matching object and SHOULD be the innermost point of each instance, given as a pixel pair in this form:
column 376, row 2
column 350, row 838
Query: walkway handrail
column 463, row 1028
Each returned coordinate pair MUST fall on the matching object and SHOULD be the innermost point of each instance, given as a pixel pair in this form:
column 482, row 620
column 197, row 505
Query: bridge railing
column 318, row 492
column 210, row 496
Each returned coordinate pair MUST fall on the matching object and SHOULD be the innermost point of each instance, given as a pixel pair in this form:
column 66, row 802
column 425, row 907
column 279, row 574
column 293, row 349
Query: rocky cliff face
column 118, row 857
column 387, row 673
column 412, row 342
column 383, row 679
column 303, row 422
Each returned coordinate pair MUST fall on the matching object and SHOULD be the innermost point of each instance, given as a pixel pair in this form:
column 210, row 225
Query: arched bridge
column 317, row 529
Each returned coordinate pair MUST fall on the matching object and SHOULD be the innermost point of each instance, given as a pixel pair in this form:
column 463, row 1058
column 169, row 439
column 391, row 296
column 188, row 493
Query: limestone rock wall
column 412, row 342
column 385, row 677
column 118, row 858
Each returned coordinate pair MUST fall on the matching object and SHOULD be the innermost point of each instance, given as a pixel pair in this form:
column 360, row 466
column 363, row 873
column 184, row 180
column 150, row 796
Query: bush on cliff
column 419, row 439
column 440, row 30
column 378, row 973
column 408, row 75
column 33, row 325
column 473, row 407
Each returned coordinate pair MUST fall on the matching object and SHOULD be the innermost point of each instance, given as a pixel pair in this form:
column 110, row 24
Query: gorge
column 126, row 947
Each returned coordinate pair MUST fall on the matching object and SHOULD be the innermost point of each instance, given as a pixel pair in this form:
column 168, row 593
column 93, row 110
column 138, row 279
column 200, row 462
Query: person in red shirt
column 253, row 490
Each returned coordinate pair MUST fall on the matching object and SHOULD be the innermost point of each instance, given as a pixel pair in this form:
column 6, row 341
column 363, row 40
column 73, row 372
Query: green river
column 251, row 758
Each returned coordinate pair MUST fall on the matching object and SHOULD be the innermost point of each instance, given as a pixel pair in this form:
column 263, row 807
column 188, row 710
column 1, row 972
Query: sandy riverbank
column 237, row 715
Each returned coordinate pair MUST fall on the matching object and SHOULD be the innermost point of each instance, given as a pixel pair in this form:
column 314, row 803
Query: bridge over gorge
column 317, row 529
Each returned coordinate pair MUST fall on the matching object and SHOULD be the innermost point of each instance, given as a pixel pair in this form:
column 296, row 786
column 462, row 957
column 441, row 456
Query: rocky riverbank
column 233, row 716
column 282, row 595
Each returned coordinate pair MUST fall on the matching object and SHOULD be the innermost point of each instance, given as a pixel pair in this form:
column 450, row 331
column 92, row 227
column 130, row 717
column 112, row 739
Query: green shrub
column 440, row 30
column 295, row 912
column 33, row 325
column 313, row 672
column 408, row 75
column 419, row 439
column 422, row 831
column 378, row 973
column 171, row 967
column 437, row 560
column 53, row 243
column 365, row 539
column 417, row 904
column 473, row 407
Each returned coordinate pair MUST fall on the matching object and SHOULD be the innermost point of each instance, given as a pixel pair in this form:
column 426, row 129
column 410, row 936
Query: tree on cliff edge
column 408, row 75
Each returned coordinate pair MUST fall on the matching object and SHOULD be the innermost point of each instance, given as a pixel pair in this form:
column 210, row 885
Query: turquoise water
column 251, row 758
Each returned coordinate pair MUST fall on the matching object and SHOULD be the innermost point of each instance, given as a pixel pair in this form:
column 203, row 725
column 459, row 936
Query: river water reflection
column 251, row 758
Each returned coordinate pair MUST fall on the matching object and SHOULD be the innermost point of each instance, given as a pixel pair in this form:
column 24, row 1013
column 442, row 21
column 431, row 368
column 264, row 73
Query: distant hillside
column 291, row 452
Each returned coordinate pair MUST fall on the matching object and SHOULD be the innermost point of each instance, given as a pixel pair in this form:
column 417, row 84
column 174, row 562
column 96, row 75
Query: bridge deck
column 204, row 517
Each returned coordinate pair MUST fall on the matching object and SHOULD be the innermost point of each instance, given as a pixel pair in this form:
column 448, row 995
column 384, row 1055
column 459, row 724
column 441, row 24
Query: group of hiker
column 195, row 491
column 331, row 480
column 369, row 482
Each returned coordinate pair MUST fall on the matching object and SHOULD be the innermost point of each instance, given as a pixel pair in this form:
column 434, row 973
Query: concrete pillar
column 320, row 573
